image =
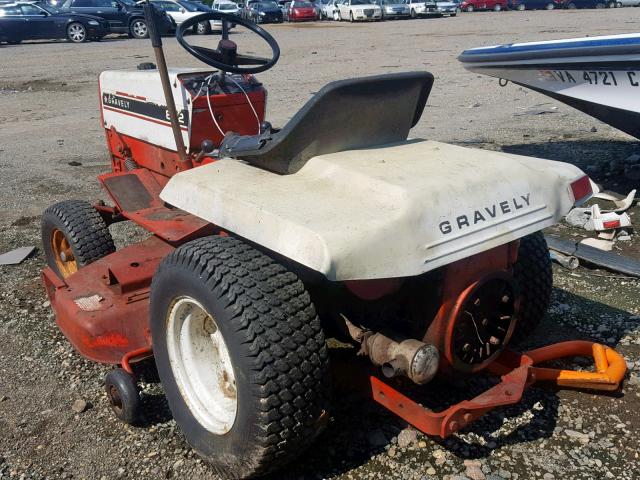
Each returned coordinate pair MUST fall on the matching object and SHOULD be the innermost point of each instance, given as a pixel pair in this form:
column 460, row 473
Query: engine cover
column 133, row 104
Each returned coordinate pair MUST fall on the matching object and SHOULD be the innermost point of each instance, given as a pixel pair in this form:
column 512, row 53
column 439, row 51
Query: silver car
column 394, row 9
column 450, row 7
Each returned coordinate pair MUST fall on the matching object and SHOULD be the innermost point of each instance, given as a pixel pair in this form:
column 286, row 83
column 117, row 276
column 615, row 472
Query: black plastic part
column 207, row 146
column 225, row 57
column 147, row 66
column 151, row 15
column 344, row 115
column 122, row 392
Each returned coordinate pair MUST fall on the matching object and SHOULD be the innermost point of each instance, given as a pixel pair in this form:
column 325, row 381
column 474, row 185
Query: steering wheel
column 226, row 56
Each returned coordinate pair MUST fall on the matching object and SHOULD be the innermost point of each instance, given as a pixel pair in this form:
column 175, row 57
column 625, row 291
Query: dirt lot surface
column 52, row 147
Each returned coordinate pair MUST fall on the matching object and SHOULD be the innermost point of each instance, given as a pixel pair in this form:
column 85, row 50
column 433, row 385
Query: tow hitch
column 517, row 371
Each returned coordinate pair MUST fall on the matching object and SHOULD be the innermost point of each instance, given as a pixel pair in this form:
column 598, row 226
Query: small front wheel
column 122, row 392
column 550, row 6
column 76, row 33
column 74, row 235
column 497, row 8
column 520, row 7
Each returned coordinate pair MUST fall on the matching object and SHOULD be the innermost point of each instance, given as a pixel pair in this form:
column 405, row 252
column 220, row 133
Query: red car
column 301, row 11
column 471, row 5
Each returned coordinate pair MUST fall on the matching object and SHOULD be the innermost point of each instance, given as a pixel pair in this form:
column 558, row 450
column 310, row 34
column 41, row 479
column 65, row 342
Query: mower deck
column 103, row 309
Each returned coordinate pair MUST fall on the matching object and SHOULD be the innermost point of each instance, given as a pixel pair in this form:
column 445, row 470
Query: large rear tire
column 241, row 355
column 74, row 235
column 534, row 278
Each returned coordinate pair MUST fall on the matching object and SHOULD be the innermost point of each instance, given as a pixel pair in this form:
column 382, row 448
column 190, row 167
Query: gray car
column 450, row 7
column 394, row 9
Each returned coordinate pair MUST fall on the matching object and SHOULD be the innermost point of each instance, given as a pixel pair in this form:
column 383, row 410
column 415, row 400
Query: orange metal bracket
column 517, row 373
column 609, row 365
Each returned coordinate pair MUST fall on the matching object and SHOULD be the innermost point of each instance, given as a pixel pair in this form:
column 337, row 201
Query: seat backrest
column 344, row 115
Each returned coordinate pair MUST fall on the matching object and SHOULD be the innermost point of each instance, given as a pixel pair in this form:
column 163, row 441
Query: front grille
column 368, row 12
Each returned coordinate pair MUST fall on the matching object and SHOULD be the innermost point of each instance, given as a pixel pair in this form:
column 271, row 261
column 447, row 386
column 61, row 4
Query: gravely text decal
column 485, row 214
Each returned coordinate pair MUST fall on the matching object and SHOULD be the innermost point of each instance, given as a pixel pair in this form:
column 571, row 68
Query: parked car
column 227, row 7
column 628, row 3
column 428, row 8
column 535, row 4
column 124, row 16
column 572, row 4
column 359, row 10
column 330, row 10
column 181, row 10
column 301, row 11
column 448, row 7
column 25, row 21
column 263, row 12
column 392, row 9
column 495, row 5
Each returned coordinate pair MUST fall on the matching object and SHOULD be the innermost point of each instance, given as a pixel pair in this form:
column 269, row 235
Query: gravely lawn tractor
column 263, row 243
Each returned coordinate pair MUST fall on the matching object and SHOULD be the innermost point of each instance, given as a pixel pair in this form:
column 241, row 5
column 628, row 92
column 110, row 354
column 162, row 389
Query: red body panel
column 103, row 309
column 137, row 196
column 461, row 278
column 232, row 111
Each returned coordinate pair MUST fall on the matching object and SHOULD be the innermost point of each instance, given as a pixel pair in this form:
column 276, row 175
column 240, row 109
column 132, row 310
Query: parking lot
column 52, row 146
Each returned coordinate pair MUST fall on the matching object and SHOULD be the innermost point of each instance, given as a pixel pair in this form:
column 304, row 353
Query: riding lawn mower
column 263, row 243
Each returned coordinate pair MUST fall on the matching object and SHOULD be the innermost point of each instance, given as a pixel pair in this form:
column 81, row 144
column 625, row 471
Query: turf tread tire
column 271, row 314
column 84, row 228
column 534, row 278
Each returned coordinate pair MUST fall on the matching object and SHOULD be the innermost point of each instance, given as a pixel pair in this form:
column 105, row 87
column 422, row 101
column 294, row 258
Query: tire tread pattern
column 86, row 231
column 534, row 277
column 274, row 314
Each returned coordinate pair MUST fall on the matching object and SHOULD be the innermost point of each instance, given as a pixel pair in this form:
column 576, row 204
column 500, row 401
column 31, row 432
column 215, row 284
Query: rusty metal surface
column 103, row 308
column 517, row 372
column 136, row 194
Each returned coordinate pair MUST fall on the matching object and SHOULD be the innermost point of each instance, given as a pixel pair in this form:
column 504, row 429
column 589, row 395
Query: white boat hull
column 604, row 86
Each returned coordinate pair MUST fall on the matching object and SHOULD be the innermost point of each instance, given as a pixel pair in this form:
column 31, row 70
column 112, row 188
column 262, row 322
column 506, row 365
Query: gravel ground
column 52, row 146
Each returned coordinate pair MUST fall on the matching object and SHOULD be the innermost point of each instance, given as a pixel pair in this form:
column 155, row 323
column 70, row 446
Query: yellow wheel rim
column 62, row 254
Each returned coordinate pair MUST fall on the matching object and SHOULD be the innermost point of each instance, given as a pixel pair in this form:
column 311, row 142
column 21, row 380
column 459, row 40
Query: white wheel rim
column 201, row 365
column 76, row 32
column 140, row 29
